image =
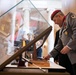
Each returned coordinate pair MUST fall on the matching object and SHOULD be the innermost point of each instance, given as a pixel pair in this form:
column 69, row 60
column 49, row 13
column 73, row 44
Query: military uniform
column 67, row 36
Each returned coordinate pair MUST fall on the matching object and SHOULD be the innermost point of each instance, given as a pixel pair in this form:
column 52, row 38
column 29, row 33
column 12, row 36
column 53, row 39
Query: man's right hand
column 47, row 57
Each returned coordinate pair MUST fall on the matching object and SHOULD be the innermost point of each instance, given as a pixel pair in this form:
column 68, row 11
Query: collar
column 64, row 23
column 64, row 18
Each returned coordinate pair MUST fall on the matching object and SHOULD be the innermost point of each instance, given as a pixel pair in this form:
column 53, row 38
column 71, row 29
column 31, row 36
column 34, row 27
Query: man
column 56, row 59
column 67, row 37
column 60, row 58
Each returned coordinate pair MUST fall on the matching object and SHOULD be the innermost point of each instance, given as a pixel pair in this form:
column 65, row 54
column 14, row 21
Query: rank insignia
column 73, row 16
column 66, row 33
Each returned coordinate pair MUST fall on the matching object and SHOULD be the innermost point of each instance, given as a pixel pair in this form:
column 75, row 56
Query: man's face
column 58, row 20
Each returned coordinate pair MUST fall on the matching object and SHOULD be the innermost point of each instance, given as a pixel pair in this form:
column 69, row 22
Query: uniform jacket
column 67, row 36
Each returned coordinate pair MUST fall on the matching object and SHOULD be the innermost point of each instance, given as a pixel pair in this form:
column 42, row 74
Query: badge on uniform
column 73, row 16
column 66, row 33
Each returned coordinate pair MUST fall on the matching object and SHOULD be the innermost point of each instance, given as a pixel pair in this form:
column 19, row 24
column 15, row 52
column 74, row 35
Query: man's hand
column 47, row 57
column 65, row 50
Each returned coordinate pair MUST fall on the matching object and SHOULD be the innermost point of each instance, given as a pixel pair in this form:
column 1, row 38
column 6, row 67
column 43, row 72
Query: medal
column 66, row 33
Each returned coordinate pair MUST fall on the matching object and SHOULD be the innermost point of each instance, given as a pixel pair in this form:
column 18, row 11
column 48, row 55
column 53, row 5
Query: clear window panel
column 7, row 22
column 20, row 23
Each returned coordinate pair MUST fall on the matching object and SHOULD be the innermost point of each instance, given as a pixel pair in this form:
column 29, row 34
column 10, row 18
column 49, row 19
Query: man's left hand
column 65, row 50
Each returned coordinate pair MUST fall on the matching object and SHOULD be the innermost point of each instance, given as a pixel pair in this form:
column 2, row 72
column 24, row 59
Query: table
column 37, row 68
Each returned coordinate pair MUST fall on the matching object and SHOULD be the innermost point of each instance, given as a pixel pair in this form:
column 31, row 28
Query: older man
column 67, row 37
